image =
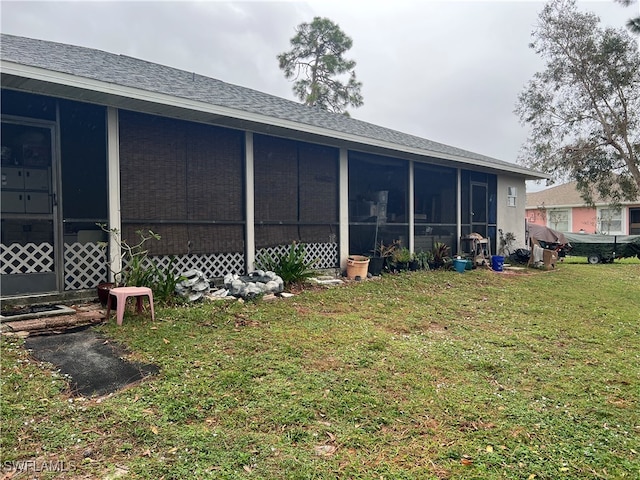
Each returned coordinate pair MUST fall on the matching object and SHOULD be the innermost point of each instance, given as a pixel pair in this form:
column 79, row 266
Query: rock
column 254, row 284
column 194, row 286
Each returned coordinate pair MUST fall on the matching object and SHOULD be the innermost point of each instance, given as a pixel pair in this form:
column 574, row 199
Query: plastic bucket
column 460, row 265
column 469, row 265
column 497, row 262
column 357, row 266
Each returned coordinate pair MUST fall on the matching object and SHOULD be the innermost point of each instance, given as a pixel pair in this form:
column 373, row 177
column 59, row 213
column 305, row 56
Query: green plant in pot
column 138, row 269
column 441, row 254
column 423, row 259
column 401, row 258
column 382, row 255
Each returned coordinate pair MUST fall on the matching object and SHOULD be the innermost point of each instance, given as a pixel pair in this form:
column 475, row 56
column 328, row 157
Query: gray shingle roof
column 131, row 72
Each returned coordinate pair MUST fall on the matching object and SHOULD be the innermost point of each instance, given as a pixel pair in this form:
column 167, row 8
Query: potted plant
column 414, row 265
column 440, row 252
column 381, row 256
column 401, row 258
column 506, row 242
column 137, row 270
column 423, row 259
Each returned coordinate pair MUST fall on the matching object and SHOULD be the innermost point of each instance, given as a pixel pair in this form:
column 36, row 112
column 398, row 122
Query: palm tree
column 633, row 24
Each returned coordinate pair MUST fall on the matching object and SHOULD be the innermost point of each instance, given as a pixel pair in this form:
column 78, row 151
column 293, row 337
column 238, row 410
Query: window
column 512, row 194
column 558, row 219
column 610, row 221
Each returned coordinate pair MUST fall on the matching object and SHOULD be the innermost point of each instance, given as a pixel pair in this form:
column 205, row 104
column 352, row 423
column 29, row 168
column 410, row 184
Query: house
column 563, row 209
column 223, row 173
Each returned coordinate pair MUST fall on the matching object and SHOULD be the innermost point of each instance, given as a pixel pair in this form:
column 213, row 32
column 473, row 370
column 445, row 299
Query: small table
column 122, row 293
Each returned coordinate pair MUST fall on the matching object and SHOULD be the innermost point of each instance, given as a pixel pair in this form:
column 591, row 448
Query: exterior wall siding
column 583, row 218
column 510, row 218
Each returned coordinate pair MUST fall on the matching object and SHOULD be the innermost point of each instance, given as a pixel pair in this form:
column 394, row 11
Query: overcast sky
column 449, row 71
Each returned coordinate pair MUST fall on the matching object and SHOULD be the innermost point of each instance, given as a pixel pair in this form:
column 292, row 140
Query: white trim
column 412, row 229
column 459, row 208
column 35, row 73
column 113, row 181
column 250, row 227
column 343, row 209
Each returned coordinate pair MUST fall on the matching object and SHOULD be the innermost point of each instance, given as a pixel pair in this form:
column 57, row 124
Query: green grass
column 419, row 375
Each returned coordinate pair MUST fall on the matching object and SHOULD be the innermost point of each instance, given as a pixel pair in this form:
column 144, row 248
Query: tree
column 633, row 24
column 584, row 108
column 316, row 61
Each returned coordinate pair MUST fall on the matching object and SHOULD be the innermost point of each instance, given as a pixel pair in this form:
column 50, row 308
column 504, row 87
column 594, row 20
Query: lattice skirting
column 85, row 264
column 218, row 265
column 212, row 265
column 324, row 255
column 27, row 258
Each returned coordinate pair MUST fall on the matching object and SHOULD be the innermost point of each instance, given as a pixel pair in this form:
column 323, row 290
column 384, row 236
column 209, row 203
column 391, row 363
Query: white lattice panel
column 325, row 255
column 27, row 258
column 212, row 265
column 85, row 265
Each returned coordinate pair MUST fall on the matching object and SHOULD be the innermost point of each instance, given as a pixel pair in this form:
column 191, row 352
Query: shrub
column 292, row 267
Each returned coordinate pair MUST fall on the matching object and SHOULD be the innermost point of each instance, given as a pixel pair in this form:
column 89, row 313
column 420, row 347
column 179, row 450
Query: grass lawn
column 420, row 375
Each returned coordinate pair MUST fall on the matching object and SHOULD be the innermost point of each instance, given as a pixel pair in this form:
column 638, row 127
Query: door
column 479, row 208
column 29, row 227
column 634, row 221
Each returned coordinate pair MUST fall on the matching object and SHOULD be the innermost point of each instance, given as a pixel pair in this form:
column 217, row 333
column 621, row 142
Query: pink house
column 562, row 209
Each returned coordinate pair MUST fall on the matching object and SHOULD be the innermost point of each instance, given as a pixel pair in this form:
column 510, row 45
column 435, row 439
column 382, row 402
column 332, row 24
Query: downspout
column 113, row 192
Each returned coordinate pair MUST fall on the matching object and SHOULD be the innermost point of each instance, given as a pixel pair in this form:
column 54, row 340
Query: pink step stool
column 122, row 293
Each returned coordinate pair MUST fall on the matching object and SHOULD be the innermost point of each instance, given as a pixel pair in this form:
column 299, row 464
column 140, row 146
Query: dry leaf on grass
column 325, row 450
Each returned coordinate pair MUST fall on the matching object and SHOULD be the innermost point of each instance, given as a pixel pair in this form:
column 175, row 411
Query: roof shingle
column 122, row 70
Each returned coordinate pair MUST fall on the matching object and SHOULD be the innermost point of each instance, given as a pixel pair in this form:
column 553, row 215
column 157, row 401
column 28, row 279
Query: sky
column 449, row 71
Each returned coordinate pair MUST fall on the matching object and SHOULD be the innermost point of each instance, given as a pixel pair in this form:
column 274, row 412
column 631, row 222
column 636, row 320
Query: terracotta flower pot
column 103, row 293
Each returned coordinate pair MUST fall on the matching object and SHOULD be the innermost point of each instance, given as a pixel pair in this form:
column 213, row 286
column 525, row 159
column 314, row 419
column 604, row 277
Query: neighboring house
column 223, row 173
column 563, row 209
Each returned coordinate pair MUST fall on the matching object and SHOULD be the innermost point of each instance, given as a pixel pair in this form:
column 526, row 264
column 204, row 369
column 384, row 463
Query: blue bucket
column 497, row 262
column 460, row 265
